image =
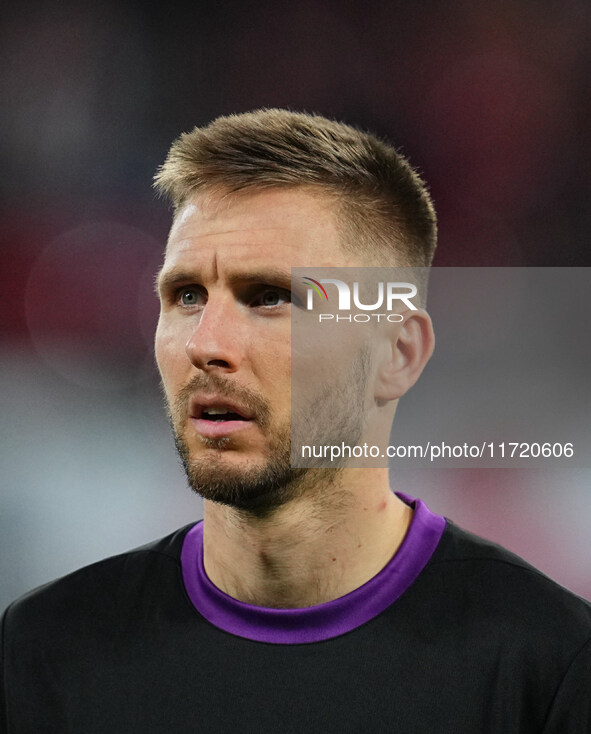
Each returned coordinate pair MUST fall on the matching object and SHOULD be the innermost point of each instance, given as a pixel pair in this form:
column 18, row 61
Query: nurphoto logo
column 388, row 294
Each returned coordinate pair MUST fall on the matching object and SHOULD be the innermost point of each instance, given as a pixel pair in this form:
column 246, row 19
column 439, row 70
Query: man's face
column 223, row 337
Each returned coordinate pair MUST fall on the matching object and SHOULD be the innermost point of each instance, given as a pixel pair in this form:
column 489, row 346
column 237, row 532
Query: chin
column 257, row 488
column 220, row 472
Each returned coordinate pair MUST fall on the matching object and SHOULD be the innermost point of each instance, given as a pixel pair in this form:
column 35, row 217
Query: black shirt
column 455, row 634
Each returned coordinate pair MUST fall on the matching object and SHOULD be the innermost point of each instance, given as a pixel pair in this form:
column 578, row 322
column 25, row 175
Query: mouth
column 214, row 417
column 218, row 415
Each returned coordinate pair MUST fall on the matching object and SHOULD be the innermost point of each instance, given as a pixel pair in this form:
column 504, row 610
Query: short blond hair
column 383, row 208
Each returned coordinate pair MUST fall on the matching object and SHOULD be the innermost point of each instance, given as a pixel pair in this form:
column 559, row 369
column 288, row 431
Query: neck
column 319, row 546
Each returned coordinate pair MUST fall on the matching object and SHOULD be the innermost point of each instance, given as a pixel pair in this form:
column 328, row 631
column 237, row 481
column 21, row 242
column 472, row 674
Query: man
column 308, row 599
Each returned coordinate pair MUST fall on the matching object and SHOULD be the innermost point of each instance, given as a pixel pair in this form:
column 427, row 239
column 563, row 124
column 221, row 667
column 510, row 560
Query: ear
column 406, row 348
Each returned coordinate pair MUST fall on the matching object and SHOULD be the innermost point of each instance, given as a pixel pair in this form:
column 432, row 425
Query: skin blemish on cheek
column 334, row 559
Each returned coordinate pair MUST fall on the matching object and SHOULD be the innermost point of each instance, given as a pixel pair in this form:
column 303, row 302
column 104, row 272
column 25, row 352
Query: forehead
column 291, row 228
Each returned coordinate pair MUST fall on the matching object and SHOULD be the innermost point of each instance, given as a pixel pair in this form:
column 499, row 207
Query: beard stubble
column 262, row 487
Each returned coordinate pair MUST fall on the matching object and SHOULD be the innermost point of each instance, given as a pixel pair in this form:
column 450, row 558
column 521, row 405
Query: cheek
column 169, row 352
column 277, row 374
column 159, row 345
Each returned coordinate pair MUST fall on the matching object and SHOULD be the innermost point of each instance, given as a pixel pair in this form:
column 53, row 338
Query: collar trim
column 323, row 621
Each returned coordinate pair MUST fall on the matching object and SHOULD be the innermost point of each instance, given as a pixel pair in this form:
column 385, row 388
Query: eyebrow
column 166, row 280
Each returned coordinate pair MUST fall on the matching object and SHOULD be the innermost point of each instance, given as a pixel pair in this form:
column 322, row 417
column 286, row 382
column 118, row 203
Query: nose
column 215, row 342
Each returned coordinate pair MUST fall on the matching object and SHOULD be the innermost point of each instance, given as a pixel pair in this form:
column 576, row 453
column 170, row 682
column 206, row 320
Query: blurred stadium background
column 490, row 100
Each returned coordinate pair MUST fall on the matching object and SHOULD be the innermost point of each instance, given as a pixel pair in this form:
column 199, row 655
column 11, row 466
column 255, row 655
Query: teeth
column 216, row 411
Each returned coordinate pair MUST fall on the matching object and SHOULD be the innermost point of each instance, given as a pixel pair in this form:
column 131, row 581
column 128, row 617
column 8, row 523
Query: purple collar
column 321, row 622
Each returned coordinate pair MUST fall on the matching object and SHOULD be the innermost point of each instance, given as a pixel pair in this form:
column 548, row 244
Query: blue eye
column 190, row 296
column 272, row 297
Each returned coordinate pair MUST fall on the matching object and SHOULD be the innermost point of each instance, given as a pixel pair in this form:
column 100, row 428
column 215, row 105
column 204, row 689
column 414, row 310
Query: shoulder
column 496, row 586
column 94, row 589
